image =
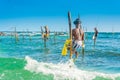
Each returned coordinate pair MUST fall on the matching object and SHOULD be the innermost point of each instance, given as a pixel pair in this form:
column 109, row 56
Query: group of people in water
column 77, row 36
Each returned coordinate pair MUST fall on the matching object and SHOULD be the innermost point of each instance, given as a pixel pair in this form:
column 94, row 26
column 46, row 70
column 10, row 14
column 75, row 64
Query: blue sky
column 31, row 14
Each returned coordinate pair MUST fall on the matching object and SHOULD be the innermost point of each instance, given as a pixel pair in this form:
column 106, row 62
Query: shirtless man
column 78, row 36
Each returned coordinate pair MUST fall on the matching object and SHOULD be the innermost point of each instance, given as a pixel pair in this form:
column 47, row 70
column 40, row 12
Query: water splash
column 62, row 71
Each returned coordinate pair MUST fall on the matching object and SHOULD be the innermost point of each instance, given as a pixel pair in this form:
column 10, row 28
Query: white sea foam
column 63, row 71
column 1, row 75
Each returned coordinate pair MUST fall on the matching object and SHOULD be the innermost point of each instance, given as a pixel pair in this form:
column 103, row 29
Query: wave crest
column 63, row 71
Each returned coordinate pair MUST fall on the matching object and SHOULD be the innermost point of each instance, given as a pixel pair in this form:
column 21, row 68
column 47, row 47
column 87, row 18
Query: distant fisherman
column 95, row 35
column 78, row 36
column 46, row 33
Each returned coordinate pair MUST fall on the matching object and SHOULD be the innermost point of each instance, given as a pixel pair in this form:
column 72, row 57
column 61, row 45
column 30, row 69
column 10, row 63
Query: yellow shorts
column 45, row 35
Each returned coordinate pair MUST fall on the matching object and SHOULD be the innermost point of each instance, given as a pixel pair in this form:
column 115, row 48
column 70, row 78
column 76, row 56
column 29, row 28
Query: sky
column 32, row 14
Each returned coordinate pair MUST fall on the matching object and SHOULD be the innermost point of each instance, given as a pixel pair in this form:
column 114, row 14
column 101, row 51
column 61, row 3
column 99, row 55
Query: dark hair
column 77, row 21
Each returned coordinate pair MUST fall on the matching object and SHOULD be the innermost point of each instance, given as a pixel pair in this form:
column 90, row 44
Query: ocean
column 28, row 59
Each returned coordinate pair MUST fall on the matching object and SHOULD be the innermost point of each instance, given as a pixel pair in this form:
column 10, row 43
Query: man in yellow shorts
column 46, row 33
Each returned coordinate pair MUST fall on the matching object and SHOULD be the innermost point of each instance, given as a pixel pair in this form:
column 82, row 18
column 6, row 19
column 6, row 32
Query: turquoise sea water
column 28, row 59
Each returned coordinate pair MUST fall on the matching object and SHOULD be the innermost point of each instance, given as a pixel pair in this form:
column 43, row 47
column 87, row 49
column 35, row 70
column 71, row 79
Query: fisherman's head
column 45, row 27
column 95, row 28
column 77, row 23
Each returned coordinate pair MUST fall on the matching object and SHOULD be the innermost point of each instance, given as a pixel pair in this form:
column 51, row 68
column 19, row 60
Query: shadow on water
column 83, row 54
column 45, row 54
column 46, row 50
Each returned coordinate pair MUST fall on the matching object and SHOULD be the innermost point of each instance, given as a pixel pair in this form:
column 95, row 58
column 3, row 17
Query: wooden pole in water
column 16, row 36
column 86, row 34
column 11, row 35
column 112, row 32
column 54, row 36
column 23, row 34
column 41, row 30
column 42, row 34
column 70, row 32
column 29, row 34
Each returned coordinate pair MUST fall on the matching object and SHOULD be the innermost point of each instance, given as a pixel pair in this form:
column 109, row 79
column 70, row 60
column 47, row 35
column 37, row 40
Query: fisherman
column 46, row 33
column 95, row 35
column 78, row 37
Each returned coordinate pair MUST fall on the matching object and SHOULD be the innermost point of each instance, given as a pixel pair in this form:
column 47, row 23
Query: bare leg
column 76, row 53
column 94, row 42
column 45, row 42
